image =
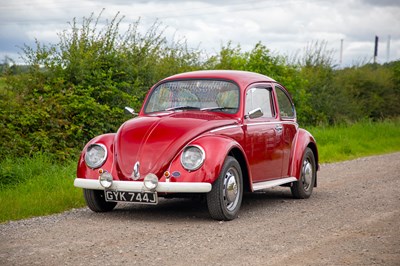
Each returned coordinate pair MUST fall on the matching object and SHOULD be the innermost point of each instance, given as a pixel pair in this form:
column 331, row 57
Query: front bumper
column 135, row 186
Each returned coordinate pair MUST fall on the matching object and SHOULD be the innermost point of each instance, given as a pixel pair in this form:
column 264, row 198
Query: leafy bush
column 76, row 89
column 372, row 90
column 337, row 96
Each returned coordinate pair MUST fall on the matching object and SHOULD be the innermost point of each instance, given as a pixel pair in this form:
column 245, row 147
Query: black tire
column 96, row 202
column 303, row 188
column 225, row 198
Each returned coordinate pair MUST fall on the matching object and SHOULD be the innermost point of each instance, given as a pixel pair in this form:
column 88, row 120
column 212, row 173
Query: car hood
column 154, row 141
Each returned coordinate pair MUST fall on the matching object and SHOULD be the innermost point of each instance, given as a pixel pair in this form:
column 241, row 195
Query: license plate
column 135, row 197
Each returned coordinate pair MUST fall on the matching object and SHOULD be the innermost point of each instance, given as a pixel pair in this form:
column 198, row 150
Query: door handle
column 279, row 127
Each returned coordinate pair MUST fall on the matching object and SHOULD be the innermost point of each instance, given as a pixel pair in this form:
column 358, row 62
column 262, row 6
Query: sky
column 286, row 27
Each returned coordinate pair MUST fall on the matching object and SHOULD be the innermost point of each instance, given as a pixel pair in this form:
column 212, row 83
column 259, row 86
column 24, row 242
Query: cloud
column 382, row 2
column 285, row 26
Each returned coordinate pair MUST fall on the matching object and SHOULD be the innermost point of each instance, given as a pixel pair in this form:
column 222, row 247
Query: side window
column 259, row 98
column 286, row 108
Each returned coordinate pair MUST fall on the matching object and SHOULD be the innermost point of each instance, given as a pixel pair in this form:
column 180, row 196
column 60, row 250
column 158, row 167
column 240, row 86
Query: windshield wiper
column 185, row 107
column 217, row 108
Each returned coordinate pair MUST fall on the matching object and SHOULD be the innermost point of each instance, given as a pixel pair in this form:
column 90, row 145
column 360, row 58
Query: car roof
column 242, row 78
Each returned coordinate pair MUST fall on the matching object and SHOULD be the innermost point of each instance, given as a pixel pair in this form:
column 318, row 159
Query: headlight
column 96, row 155
column 192, row 157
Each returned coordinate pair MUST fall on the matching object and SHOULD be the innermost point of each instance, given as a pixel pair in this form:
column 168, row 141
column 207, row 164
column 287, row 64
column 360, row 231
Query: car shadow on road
column 175, row 208
column 196, row 208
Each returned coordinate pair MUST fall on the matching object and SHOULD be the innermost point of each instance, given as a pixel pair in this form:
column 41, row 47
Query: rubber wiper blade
column 217, row 108
column 186, row 107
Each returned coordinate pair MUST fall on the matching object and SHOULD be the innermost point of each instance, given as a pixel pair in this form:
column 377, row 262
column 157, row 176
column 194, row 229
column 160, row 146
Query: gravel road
column 353, row 218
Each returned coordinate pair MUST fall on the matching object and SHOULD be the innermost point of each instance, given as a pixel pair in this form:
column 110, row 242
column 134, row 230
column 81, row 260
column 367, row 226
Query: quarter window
column 286, row 108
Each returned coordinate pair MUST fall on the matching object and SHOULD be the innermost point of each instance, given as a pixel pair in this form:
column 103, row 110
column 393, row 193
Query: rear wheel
column 225, row 198
column 303, row 188
column 95, row 200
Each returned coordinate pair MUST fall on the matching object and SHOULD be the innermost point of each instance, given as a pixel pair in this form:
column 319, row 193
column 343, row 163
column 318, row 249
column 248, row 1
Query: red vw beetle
column 217, row 133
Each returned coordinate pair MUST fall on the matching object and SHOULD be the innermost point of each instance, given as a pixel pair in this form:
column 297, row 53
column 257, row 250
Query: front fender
column 216, row 149
column 302, row 140
column 85, row 172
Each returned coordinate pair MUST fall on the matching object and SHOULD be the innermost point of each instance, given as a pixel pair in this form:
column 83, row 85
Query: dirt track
column 353, row 218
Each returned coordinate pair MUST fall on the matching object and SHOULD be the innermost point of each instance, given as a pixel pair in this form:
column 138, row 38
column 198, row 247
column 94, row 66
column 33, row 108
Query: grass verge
column 365, row 138
column 36, row 186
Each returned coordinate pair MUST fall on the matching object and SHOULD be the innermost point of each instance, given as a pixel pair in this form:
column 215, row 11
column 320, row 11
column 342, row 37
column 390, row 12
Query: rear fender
column 216, row 149
column 303, row 139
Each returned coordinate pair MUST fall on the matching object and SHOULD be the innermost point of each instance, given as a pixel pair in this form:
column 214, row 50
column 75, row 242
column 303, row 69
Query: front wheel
column 95, row 200
column 225, row 198
column 303, row 188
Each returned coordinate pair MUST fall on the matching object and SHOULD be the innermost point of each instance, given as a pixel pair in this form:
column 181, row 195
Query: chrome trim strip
column 223, row 128
column 254, row 124
column 273, row 183
column 272, row 123
column 263, row 123
column 172, row 187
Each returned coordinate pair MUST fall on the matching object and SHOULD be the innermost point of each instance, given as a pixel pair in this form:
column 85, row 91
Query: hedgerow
column 73, row 90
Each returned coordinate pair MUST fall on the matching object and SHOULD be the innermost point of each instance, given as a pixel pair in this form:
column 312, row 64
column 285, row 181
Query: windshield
column 211, row 95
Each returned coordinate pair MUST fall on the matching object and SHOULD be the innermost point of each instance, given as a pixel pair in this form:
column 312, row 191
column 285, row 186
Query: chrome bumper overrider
column 170, row 187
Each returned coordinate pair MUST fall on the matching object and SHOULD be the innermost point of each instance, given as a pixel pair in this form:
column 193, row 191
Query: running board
column 273, row 183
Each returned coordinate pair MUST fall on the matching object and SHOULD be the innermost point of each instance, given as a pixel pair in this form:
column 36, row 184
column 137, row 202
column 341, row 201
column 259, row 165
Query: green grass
column 36, row 186
column 366, row 138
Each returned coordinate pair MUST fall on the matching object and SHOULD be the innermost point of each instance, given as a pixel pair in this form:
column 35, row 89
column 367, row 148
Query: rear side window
column 286, row 107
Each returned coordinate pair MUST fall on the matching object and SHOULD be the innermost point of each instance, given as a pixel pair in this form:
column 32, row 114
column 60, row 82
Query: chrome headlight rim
column 203, row 157
column 101, row 161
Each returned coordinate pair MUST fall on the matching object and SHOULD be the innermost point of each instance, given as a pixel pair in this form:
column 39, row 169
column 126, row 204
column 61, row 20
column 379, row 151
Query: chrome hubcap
column 307, row 174
column 231, row 190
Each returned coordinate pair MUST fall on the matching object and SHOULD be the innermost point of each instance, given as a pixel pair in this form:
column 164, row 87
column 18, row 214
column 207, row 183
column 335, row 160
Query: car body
column 214, row 133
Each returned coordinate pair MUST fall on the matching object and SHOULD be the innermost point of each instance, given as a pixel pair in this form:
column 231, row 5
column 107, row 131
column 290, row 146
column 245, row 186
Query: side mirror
column 131, row 111
column 256, row 113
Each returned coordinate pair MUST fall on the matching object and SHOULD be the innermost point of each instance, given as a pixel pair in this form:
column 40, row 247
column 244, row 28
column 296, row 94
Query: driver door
column 263, row 135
